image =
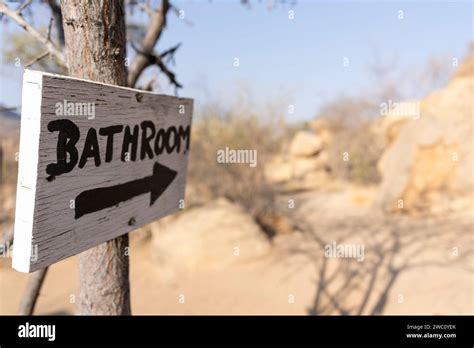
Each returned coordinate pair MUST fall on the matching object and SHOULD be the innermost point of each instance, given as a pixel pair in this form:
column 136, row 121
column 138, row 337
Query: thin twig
column 171, row 75
column 58, row 20
column 155, row 59
column 23, row 6
column 155, row 28
column 45, row 54
column 170, row 52
column 49, row 29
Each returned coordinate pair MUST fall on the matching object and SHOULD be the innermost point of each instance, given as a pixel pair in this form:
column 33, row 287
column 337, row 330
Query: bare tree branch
column 23, row 6
column 177, row 12
column 170, row 52
column 142, row 59
column 49, row 29
column 171, row 76
column 58, row 20
column 28, row 302
column 18, row 18
column 155, row 59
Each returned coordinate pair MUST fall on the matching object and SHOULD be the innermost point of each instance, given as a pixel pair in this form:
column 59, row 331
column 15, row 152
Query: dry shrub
column 349, row 119
column 235, row 129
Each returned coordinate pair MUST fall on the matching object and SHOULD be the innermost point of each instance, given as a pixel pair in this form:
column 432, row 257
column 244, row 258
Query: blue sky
column 299, row 60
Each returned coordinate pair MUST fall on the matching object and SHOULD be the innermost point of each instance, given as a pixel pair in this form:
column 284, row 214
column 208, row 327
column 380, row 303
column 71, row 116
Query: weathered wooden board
column 96, row 161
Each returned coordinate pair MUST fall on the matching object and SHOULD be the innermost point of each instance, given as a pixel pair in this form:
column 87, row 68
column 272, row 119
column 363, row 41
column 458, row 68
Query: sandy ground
column 409, row 267
column 256, row 288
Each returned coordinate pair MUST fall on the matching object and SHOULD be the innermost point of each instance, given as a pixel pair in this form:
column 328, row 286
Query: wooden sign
column 96, row 161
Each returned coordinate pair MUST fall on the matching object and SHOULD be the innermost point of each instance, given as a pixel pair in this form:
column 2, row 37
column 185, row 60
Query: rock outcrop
column 428, row 166
column 306, row 158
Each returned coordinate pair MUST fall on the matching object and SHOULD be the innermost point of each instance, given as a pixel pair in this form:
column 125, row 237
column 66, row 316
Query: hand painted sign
column 96, row 161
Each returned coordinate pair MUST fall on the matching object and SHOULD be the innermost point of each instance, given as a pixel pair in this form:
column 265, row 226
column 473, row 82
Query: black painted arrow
column 105, row 197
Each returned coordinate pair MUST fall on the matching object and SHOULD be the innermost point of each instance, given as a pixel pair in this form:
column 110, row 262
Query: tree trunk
column 95, row 50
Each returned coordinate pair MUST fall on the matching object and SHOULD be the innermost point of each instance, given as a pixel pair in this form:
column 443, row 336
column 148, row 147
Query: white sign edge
column 27, row 169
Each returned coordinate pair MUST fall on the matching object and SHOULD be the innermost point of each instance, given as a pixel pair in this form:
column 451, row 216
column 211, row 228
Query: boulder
column 324, row 130
column 213, row 236
column 278, row 170
column 431, row 159
column 305, row 144
column 391, row 125
column 301, row 167
column 281, row 169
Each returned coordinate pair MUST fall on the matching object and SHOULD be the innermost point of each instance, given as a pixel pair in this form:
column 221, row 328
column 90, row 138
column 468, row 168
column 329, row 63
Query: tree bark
column 95, row 49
